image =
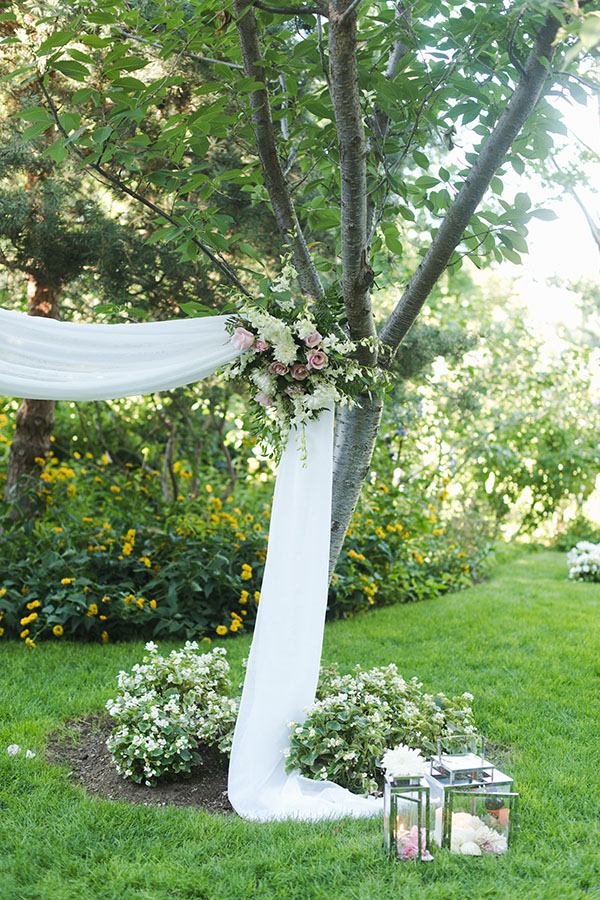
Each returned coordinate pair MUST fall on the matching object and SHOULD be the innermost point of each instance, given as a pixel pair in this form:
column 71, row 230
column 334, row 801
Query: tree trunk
column 355, row 440
column 35, row 418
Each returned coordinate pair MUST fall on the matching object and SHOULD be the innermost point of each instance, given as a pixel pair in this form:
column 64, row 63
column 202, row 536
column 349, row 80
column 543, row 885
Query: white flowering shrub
column 358, row 717
column 584, row 562
column 168, row 705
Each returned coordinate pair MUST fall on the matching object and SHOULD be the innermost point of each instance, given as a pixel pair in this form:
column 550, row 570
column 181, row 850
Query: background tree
column 347, row 125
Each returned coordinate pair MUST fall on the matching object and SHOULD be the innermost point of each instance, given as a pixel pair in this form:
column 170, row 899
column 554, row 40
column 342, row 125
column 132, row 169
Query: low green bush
column 357, row 717
column 165, row 707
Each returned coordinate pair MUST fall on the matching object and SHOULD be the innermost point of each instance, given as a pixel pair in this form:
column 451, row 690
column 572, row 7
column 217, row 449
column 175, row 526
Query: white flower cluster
column 359, row 716
column 166, row 707
column 474, row 837
column 584, row 562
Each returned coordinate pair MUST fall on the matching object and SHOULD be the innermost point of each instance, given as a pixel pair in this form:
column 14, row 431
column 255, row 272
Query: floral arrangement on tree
column 296, row 356
column 584, row 562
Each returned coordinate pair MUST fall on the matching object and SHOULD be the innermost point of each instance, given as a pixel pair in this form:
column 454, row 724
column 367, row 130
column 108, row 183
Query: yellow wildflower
column 92, row 610
column 114, row 488
column 221, row 629
column 244, row 597
column 146, row 561
column 1, row 631
column 25, row 633
column 2, row 592
column 140, row 602
column 106, row 598
column 29, row 643
column 246, row 572
column 256, row 596
column 67, row 580
column 58, row 630
column 208, row 488
column 58, row 529
column 102, row 618
column 40, row 461
column 153, row 604
column 129, row 599
column 104, row 636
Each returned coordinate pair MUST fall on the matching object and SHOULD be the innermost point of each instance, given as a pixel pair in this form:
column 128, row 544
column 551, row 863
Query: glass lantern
column 406, row 816
column 480, row 821
column 461, row 771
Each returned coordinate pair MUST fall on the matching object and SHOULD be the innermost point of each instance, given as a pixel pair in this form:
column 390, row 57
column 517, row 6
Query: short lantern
column 474, row 807
column 406, row 818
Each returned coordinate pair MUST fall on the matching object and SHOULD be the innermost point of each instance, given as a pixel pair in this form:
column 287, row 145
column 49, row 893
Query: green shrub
column 166, row 707
column 357, row 717
column 579, row 529
column 99, row 554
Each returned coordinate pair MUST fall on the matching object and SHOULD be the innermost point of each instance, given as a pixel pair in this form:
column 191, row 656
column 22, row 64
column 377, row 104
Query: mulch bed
column 82, row 747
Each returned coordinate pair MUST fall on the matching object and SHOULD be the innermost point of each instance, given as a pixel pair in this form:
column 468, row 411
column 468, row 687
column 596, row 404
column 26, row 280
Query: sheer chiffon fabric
column 49, row 360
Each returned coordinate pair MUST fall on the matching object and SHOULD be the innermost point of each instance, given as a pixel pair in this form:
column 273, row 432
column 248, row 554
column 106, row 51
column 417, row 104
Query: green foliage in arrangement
column 357, row 717
column 166, row 707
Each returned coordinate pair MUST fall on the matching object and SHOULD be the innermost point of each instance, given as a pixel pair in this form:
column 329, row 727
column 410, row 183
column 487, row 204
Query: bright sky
column 564, row 247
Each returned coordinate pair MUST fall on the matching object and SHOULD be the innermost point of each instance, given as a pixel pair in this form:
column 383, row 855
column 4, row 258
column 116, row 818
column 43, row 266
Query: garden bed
column 82, row 747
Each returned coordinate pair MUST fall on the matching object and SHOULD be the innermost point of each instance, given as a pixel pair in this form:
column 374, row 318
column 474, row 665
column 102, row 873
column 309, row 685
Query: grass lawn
column 525, row 644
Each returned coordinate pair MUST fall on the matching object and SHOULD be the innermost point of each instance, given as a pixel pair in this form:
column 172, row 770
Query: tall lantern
column 406, row 810
column 406, row 818
column 474, row 807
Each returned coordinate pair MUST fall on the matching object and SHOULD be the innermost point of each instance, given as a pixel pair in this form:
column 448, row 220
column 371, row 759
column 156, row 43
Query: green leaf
column 58, row 39
column 71, row 69
column 69, row 121
column 420, row 159
column 34, row 130
column 57, row 151
column 547, row 215
column 36, row 114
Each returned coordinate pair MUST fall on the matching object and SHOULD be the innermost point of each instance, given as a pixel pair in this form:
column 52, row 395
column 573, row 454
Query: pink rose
column 292, row 390
column 317, row 360
column 279, row 368
column 299, row 372
column 264, row 399
column 259, row 346
column 312, row 339
column 242, row 339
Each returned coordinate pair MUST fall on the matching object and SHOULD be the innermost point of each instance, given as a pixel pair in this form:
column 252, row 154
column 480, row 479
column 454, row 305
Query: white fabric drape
column 49, row 360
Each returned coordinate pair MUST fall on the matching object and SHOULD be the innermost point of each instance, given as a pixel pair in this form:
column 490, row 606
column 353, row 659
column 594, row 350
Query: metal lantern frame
column 463, row 773
column 415, row 792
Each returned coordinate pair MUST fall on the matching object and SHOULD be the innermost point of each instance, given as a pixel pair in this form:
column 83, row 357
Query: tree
column 343, row 113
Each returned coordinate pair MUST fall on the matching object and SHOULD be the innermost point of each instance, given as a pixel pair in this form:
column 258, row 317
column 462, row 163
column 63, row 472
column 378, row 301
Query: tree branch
column 186, row 53
column 357, row 275
column 115, row 182
column 288, row 10
column 275, row 182
column 490, row 158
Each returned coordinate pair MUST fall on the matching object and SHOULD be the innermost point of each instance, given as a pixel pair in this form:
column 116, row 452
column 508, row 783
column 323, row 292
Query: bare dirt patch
column 81, row 746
